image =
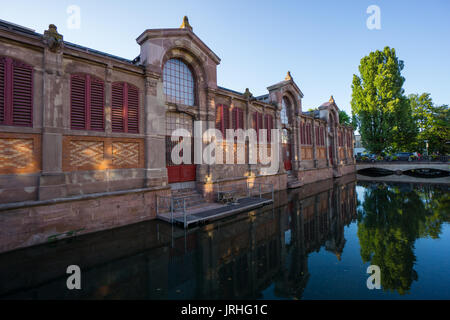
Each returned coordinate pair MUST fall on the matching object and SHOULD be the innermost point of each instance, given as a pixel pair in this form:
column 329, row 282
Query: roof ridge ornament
column 53, row 39
column 331, row 100
column 185, row 24
column 248, row 94
column 288, row 76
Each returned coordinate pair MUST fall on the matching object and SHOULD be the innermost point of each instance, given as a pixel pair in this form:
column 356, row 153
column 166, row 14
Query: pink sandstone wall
column 34, row 225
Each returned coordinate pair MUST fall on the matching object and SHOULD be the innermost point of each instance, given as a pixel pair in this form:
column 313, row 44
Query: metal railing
column 171, row 204
column 166, row 204
column 421, row 159
column 246, row 189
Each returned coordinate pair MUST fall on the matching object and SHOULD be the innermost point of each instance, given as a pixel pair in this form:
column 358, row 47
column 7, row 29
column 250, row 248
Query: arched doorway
column 286, row 145
column 183, row 172
column 286, row 149
column 331, row 138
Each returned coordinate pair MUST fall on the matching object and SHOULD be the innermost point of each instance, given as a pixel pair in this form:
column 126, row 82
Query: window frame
column 125, row 106
column 8, row 91
column 166, row 82
column 87, row 101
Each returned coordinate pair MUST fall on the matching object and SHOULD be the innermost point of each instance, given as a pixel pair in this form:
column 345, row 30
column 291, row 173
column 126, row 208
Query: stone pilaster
column 316, row 163
column 155, row 130
column 51, row 181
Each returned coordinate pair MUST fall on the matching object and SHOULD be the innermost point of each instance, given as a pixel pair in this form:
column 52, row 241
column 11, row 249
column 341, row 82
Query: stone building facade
column 85, row 133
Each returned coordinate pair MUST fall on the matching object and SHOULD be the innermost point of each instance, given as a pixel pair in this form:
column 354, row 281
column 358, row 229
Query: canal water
column 316, row 242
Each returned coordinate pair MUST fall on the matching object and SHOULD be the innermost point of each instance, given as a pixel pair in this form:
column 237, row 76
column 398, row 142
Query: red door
column 287, row 157
column 179, row 172
column 286, row 149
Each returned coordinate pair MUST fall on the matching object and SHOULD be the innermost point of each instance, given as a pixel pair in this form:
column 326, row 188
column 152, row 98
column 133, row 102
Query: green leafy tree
column 433, row 123
column 390, row 220
column 344, row 118
column 405, row 129
column 378, row 102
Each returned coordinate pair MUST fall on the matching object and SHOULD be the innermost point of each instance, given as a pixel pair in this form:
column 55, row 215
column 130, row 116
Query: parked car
column 403, row 156
column 372, row 157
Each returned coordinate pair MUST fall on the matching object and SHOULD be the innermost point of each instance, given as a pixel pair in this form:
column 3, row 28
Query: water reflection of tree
column 390, row 219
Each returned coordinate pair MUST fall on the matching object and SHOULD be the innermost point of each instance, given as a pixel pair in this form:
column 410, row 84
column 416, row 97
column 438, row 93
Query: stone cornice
column 177, row 32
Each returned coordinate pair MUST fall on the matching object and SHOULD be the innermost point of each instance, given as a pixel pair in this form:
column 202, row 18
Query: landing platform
column 213, row 211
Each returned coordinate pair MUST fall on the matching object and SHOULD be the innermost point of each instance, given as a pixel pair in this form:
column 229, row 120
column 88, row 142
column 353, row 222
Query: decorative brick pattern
column 341, row 153
column 125, row 154
column 19, row 153
column 16, row 153
column 307, row 153
column 100, row 153
column 86, row 153
column 321, row 153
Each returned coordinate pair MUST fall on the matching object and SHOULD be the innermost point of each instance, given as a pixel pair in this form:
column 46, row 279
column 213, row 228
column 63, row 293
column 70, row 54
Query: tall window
column 322, row 136
column 125, row 108
column 302, row 133
column 268, row 124
column 308, row 133
column 87, row 111
column 223, row 119
column 284, row 111
column 178, row 82
column 257, row 123
column 237, row 118
column 16, row 93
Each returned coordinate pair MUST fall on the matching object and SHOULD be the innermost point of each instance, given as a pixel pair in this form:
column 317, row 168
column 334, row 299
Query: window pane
column 178, row 82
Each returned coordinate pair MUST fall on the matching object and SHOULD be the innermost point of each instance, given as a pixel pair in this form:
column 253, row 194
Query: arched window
column 284, row 111
column 16, row 93
column 124, row 108
column 178, row 82
column 87, row 102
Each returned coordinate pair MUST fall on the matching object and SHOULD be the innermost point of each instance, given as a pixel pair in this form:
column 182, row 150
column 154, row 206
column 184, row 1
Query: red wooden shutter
column 307, row 133
column 255, row 123
column 268, row 124
column 234, row 118
column 22, row 107
column 310, row 134
column 316, row 129
column 304, row 133
column 226, row 120
column 241, row 119
column 219, row 118
column 133, row 109
column 2, row 90
column 269, row 132
column 117, row 107
column 78, row 102
column 321, row 136
column 222, row 119
column 237, row 118
column 260, row 122
column 96, row 104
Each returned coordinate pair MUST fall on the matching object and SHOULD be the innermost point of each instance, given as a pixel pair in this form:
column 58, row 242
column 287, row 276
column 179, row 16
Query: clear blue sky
column 320, row 42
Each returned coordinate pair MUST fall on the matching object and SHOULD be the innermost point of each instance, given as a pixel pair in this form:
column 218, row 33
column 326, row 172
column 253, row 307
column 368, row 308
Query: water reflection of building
column 236, row 258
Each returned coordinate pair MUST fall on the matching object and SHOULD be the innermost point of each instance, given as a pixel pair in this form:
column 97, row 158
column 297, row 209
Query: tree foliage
column 382, row 112
column 390, row 220
column 344, row 118
column 433, row 123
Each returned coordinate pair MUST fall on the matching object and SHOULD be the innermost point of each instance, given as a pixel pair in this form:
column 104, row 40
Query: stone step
column 191, row 198
column 178, row 192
